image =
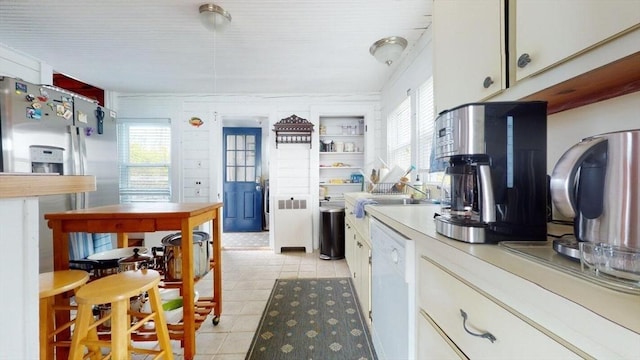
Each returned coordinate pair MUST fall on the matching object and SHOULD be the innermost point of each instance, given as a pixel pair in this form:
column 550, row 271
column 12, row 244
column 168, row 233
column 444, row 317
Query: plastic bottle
column 417, row 188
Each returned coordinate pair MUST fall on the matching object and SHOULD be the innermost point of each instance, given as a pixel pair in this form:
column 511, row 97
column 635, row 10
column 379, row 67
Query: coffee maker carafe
column 595, row 183
column 494, row 184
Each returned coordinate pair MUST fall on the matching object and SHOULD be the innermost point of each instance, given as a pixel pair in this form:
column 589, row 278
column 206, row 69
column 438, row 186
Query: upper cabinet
column 469, row 51
column 483, row 47
column 548, row 32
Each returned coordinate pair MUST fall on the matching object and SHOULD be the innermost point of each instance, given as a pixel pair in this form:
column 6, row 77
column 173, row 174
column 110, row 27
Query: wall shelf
column 293, row 130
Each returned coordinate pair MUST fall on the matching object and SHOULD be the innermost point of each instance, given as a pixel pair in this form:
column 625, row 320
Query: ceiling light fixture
column 389, row 49
column 214, row 17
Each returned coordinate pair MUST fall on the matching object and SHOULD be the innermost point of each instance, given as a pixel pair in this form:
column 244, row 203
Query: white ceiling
column 160, row 46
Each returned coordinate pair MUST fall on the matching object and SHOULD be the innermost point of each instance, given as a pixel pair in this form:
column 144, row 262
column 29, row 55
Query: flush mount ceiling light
column 389, row 49
column 214, row 17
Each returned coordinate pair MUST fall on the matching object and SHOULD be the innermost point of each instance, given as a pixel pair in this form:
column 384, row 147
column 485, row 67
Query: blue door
column 242, row 199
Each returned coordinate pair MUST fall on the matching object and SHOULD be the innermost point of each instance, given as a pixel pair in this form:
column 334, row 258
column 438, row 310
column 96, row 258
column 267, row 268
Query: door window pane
column 251, row 158
column 231, row 142
column 240, row 139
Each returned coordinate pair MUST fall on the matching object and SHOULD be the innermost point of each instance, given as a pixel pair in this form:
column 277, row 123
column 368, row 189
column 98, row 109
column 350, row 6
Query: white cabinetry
column 551, row 31
column 341, row 154
column 479, row 327
column 469, row 51
column 433, row 343
column 477, row 57
column 358, row 255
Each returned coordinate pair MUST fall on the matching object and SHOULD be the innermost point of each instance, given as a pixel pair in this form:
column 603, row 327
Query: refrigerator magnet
column 82, row 117
column 30, row 97
column 67, row 114
column 36, row 105
column 59, row 110
column 35, row 114
column 21, row 88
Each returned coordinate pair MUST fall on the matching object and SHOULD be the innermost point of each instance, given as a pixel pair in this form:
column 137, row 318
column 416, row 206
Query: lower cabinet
column 433, row 343
column 358, row 255
column 469, row 324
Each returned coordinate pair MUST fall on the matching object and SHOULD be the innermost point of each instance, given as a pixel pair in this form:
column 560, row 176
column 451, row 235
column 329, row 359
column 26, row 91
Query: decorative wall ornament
column 196, row 121
column 293, row 130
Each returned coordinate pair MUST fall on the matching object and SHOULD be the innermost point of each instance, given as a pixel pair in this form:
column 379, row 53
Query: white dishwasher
column 392, row 293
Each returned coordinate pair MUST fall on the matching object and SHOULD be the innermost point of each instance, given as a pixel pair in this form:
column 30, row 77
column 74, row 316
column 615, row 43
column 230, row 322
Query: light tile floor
column 247, row 280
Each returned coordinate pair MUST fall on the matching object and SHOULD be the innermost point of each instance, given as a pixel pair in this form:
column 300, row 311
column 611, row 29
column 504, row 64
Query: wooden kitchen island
column 150, row 217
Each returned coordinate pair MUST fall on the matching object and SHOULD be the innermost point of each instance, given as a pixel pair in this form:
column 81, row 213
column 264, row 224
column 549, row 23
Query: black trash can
column 331, row 232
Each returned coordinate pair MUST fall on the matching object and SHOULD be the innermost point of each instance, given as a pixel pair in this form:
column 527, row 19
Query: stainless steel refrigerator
column 49, row 130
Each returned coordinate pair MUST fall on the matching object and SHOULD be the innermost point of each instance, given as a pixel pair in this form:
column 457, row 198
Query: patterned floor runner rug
column 314, row 319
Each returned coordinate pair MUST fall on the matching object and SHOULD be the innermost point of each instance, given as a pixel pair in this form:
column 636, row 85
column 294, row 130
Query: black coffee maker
column 495, row 182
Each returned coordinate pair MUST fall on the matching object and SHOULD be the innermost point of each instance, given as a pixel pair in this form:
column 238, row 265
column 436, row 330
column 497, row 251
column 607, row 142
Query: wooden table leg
column 61, row 262
column 217, row 269
column 188, row 289
column 123, row 240
column 46, row 326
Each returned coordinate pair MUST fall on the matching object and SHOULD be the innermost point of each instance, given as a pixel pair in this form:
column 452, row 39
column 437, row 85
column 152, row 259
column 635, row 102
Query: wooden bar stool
column 52, row 284
column 117, row 290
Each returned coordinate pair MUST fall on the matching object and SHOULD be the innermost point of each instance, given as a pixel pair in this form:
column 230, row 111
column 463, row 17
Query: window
column 144, row 156
column 425, row 118
column 399, row 135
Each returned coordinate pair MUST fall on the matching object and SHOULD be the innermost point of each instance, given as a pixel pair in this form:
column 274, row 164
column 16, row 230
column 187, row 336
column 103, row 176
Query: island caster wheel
column 216, row 320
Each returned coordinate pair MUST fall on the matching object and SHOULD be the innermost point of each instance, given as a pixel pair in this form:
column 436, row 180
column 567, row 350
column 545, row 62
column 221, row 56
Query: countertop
column 14, row 185
column 416, row 223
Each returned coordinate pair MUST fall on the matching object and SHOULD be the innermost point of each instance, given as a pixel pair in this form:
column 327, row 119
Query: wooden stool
column 52, row 284
column 117, row 290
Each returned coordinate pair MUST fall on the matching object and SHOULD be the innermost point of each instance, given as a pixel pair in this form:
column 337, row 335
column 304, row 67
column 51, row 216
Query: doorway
column 242, row 188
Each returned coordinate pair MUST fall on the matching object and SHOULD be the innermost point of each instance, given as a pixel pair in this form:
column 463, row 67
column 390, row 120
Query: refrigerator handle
column 82, row 150
column 79, row 200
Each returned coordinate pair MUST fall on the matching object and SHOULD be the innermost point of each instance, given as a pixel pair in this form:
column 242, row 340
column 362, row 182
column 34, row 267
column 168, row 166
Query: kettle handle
column 563, row 183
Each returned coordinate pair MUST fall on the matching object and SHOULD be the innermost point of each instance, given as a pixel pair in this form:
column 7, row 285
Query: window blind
column 425, row 119
column 144, row 156
column 399, row 135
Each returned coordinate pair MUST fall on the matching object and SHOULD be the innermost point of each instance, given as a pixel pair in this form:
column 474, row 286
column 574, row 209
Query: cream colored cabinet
column 480, row 327
column 350, row 246
column 433, row 343
column 547, row 32
column 469, row 51
column 358, row 255
column 363, row 275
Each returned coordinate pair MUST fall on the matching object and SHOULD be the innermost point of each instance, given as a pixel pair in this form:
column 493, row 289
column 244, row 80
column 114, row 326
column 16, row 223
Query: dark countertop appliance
column 495, row 183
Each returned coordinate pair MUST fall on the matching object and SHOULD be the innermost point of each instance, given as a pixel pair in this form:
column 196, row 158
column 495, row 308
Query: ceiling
column 160, row 46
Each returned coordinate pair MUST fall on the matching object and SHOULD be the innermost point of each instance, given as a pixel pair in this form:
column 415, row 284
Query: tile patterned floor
column 245, row 240
column 248, row 277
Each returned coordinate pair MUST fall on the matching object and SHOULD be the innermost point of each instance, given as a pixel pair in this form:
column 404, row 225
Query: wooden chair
column 117, row 290
column 52, row 284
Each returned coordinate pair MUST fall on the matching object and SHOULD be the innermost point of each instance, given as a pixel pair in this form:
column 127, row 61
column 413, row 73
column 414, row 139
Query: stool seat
column 58, row 282
column 52, row 284
column 117, row 291
column 118, row 287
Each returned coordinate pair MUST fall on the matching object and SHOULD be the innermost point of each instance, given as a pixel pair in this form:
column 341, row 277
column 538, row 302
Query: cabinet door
column 364, row 281
column 433, row 343
column 350, row 248
column 550, row 31
column 468, row 49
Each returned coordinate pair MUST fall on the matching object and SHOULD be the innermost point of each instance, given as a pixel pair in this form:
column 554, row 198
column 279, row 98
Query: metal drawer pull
column 486, row 335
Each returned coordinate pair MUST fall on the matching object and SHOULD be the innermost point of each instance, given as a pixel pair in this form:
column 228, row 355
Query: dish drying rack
column 396, row 188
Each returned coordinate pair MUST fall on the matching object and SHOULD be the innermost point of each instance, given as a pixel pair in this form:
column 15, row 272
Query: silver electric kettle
column 597, row 183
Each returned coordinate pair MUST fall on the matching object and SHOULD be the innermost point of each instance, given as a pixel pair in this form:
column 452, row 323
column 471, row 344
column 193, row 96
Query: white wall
column 569, row 127
column 413, row 71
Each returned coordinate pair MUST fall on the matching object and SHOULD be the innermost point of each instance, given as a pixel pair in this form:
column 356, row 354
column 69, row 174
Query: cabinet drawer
column 433, row 343
column 442, row 296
